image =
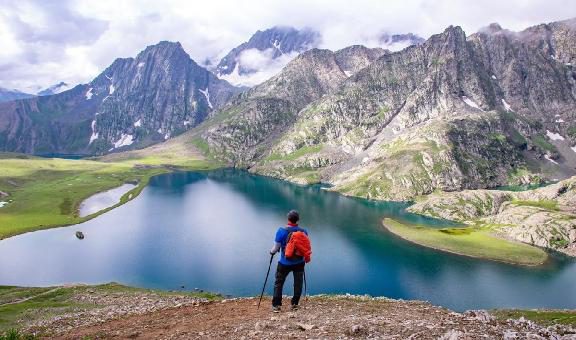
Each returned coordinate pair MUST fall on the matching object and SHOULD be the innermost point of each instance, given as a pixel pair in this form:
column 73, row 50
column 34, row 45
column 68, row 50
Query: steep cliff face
column 133, row 103
column 532, row 71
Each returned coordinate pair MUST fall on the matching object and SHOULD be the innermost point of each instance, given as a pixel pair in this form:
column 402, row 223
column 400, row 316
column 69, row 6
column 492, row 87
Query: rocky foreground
column 106, row 314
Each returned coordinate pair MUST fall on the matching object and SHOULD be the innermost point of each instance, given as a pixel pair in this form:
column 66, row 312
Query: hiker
column 293, row 256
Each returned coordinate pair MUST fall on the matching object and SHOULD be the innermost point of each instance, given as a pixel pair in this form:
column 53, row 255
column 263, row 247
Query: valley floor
column 113, row 311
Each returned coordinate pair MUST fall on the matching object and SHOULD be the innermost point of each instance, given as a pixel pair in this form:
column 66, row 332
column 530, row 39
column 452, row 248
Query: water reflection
column 103, row 200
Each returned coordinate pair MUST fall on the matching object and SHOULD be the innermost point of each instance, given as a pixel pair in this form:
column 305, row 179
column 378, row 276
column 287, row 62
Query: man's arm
column 275, row 248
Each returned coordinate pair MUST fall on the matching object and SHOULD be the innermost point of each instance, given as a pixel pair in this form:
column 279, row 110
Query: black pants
column 282, row 272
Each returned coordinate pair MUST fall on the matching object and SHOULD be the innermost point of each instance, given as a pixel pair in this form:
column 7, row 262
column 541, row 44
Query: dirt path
column 30, row 297
column 321, row 317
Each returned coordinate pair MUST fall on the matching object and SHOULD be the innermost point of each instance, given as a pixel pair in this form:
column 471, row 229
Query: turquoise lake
column 212, row 231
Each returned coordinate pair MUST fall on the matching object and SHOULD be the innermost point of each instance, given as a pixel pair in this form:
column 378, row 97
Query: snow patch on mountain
column 550, row 159
column 112, row 88
column 89, row 94
column 124, row 140
column 207, row 96
column 277, row 45
column 554, row 136
column 471, row 103
column 506, row 105
column 138, row 123
column 94, row 133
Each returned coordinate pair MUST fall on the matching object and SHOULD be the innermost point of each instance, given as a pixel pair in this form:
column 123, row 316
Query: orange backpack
column 298, row 246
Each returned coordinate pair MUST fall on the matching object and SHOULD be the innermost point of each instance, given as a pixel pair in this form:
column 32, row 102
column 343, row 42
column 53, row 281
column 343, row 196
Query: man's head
column 293, row 216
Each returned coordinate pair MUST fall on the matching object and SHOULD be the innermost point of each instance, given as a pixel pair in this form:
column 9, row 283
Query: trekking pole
column 266, row 280
column 305, row 286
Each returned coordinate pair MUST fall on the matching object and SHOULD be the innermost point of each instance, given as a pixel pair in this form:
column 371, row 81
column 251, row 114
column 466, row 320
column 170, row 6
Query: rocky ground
column 154, row 316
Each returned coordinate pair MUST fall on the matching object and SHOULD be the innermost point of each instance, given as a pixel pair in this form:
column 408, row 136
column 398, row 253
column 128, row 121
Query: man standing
column 287, row 265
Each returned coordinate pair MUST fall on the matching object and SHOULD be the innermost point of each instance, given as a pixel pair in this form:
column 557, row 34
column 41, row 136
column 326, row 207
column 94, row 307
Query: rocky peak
column 132, row 103
column 354, row 58
column 55, row 89
column 453, row 38
column 315, row 73
column 400, row 40
column 163, row 51
column 278, row 41
column 493, row 28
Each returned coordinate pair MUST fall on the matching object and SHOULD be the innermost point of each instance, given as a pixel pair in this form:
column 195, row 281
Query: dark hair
column 293, row 216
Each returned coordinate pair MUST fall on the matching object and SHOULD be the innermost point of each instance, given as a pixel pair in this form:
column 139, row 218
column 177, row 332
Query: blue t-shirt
column 282, row 238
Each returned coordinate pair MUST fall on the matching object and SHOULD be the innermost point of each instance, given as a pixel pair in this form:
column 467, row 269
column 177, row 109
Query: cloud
column 261, row 62
column 45, row 42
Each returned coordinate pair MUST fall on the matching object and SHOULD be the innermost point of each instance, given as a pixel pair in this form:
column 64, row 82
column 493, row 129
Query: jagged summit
column 275, row 41
column 399, row 41
column 494, row 27
column 55, row 89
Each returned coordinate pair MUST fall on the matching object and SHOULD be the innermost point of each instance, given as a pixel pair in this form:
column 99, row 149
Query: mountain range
column 268, row 51
column 453, row 112
column 7, row 95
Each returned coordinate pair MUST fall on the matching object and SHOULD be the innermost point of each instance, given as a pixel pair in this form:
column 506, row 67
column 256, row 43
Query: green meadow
column 473, row 242
column 46, row 192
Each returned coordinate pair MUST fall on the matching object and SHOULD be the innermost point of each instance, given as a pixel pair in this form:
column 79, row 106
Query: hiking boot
column 295, row 307
column 276, row 309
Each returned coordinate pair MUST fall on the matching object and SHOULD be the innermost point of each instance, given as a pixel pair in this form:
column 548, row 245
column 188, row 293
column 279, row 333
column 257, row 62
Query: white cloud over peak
column 262, row 62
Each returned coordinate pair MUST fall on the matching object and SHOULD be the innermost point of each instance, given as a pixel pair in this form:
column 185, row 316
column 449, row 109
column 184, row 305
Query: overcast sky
column 43, row 42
